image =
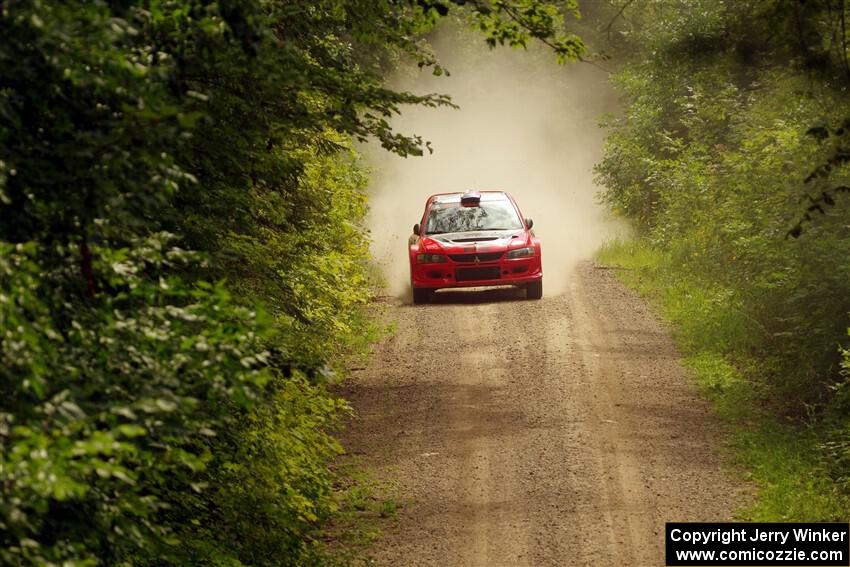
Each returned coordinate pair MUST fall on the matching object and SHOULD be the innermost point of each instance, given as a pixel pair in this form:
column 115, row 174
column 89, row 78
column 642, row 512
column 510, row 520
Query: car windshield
column 490, row 215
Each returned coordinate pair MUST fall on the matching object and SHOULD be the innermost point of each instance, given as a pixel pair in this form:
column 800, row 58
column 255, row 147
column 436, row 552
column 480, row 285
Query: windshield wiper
column 466, row 230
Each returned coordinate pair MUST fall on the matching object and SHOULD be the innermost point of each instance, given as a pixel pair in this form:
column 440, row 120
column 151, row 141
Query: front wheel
column 534, row 290
column 421, row 295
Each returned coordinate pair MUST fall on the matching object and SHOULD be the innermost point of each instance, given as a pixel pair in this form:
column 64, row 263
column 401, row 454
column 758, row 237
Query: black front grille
column 472, row 274
column 482, row 257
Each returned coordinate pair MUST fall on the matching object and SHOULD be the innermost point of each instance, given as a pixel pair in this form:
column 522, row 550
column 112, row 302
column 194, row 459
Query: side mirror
column 529, row 223
column 416, row 229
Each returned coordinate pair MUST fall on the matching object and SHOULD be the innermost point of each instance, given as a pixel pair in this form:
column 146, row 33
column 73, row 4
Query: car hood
column 476, row 241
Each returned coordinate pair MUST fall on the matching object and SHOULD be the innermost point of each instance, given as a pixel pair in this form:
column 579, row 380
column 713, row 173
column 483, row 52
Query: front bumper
column 467, row 274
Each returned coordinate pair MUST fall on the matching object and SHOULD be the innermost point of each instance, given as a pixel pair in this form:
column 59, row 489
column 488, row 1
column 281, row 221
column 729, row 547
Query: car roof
column 455, row 197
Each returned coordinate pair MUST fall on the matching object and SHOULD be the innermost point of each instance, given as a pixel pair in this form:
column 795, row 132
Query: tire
column 534, row 290
column 421, row 295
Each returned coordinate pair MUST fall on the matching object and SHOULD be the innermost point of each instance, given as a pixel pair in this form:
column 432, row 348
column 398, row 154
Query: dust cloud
column 525, row 125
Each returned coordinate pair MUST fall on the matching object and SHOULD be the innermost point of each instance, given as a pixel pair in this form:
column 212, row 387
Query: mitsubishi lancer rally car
column 474, row 239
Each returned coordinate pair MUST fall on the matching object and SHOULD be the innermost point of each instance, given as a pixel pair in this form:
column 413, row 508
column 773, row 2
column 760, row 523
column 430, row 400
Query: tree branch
column 610, row 24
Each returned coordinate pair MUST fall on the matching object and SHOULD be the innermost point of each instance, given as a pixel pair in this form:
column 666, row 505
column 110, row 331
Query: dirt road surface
column 535, row 433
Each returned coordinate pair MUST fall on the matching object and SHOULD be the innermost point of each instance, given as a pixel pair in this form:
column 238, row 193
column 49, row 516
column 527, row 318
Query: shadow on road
column 478, row 295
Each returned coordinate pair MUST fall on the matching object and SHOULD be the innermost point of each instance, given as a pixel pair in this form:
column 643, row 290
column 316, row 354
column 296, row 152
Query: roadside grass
column 365, row 508
column 780, row 456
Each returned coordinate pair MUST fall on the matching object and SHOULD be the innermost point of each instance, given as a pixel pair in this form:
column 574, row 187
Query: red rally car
column 474, row 239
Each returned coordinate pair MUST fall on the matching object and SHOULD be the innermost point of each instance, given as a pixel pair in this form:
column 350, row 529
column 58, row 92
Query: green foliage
column 516, row 22
column 104, row 417
column 710, row 160
column 713, row 159
column 312, row 279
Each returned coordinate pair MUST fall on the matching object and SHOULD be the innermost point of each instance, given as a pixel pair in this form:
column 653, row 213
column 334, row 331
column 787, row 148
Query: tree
column 147, row 150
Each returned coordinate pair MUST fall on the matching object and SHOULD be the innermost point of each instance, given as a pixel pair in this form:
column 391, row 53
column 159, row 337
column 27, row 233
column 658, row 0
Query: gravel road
column 541, row 433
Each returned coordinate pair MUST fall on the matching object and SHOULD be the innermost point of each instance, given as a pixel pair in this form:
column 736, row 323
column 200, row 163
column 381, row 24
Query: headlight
column 521, row 253
column 430, row 258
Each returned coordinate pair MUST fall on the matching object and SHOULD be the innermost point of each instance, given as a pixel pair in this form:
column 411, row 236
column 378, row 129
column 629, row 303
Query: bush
column 106, row 420
column 723, row 160
column 710, row 159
